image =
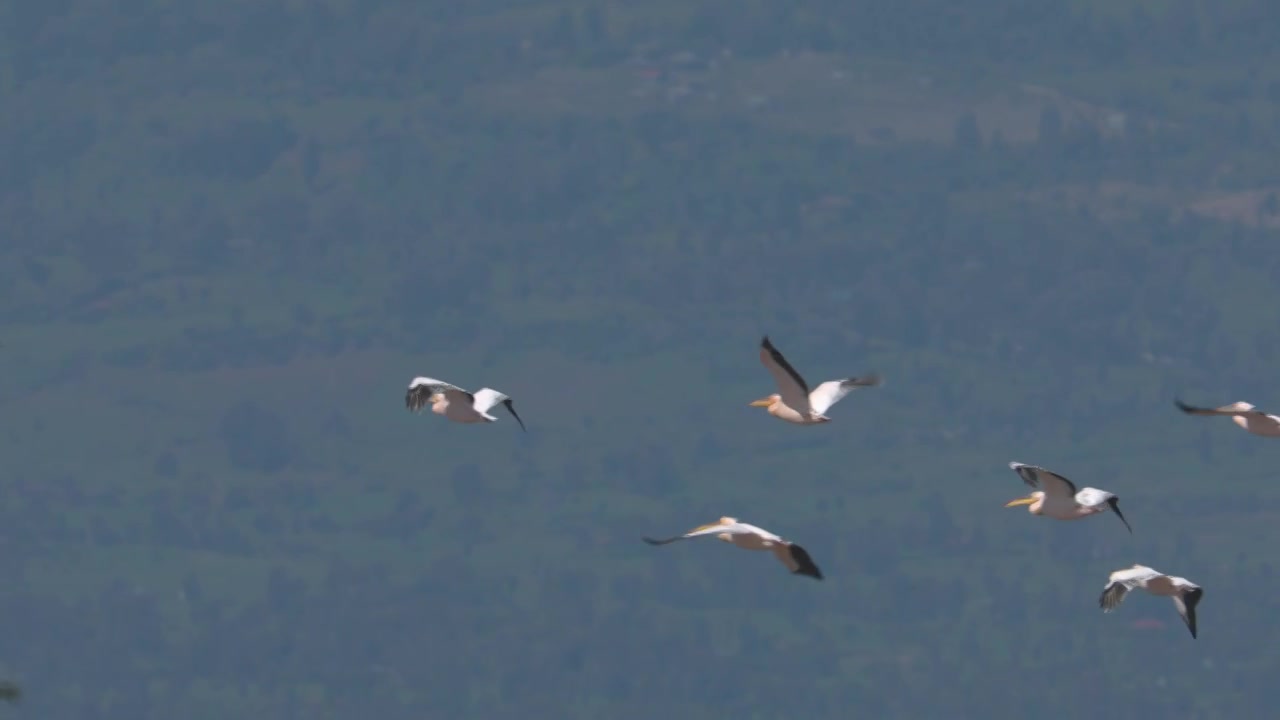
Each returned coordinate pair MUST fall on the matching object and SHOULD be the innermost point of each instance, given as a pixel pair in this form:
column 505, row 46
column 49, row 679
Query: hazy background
column 231, row 232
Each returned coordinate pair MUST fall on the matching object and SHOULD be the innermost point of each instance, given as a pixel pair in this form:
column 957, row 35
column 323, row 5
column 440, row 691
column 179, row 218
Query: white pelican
column 1242, row 414
column 750, row 537
column 1059, row 499
column 455, row 403
column 1186, row 594
column 794, row 403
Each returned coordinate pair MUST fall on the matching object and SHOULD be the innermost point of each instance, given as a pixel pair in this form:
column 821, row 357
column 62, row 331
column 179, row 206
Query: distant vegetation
column 234, row 231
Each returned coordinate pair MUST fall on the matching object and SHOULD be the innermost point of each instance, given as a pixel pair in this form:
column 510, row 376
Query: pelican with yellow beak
column 794, row 402
column 750, row 537
column 1058, row 497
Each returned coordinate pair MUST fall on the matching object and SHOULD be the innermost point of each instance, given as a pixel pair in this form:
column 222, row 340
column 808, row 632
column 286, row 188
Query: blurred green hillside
column 233, row 232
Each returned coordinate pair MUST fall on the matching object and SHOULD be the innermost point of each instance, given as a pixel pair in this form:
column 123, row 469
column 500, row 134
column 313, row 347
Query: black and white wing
column 487, row 398
column 1051, row 483
column 1235, row 408
column 1112, row 595
column 832, row 391
column 422, row 388
column 1193, row 410
column 803, row 564
column 1120, row 582
column 793, row 389
column 1186, row 604
column 1114, row 503
column 1094, row 498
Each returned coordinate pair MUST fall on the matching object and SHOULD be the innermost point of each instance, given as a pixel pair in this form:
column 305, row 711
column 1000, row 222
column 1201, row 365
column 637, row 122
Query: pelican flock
column 750, row 537
column 1242, row 414
column 1053, row 495
column 1058, row 497
column 1186, row 594
column 794, row 402
column 455, row 403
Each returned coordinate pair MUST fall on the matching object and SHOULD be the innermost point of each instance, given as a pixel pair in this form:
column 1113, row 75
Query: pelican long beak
column 1021, row 501
column 762, row 402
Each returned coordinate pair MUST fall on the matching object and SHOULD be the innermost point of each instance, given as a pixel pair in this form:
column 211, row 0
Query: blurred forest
column 234, row 231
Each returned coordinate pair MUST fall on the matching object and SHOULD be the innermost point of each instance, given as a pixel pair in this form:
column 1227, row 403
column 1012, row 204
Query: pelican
column 750, row 537
column 455, row 403
column 794, row 403
column 1059, row 499
column 1186, row 594
column 1242, row 414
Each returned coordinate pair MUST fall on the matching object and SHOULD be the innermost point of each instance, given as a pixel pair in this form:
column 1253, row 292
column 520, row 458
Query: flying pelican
column 794, row 403
column 1059, row 499
column 750, row 537
column 455, row 403
column 1242, row 414
column 1186, row 594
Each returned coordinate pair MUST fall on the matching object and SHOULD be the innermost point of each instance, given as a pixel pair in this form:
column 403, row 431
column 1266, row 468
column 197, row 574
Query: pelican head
column 1035, row 499
column 768, row 401
column 1240, row 406
column 436, row 398
column 726, row 520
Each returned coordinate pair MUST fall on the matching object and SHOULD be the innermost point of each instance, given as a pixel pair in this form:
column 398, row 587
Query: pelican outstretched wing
column 1193, row 410
column 1186, row 604
column 422, row 388
column 1050, row 482
column 1114, row 503
column 487, row 398
column 1095, row 498
column 700, row 531
column 1120, row 582
column 832, row 391
column 1112, row 595
column 791, row 386
column 1236, row 408
column 801, row 563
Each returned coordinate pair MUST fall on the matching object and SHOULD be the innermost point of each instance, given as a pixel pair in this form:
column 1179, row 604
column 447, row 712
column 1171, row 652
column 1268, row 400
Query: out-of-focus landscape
column 233, row 232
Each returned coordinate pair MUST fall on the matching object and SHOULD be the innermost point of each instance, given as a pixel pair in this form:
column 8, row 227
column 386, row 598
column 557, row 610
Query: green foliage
column 233, row 232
